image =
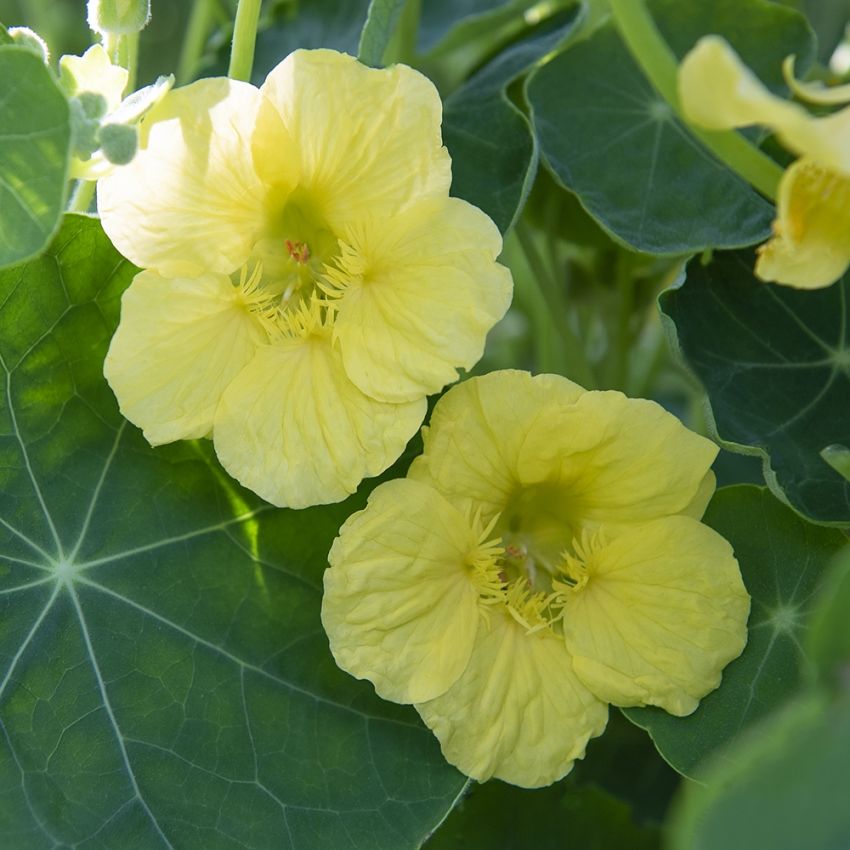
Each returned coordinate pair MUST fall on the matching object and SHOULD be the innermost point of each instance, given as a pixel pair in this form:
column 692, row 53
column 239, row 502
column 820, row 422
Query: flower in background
column 811, row 243
column 543, row 558
column 308, row 280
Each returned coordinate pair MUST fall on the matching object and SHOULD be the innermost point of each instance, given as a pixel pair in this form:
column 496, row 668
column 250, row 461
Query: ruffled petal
column 662, row 612
column 177, row 347
column 368, row 140
column 719, row 92
column 553, row 459
column 294, row 429
column 811, row 245
column 399, row 606
column 518, row 712
column 417, row 295
column 640, row 463
column 190, row 201
column 478, row 430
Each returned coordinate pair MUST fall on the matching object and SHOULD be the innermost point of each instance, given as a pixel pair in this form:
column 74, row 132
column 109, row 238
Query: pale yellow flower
column 811, row 244
column 357, row 286
column 543, row 558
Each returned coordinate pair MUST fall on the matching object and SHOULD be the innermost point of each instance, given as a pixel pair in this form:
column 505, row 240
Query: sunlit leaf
column 35, row 142
column 164, row 677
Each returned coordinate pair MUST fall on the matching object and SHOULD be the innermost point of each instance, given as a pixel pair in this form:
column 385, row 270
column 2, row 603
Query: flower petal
column 178, row 345
column 663, row 611
column 561, row 457
column 477, row 432
column 366, row 139
column 811, row 245
column 423, row 293
column 719, row 92
column 190, row 201
column 94, row 72
column 518, row 712
column 294, row 429
column 399, row 607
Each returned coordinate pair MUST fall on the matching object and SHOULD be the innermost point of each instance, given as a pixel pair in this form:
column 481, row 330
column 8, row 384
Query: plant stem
column 661, row 67
column 625, row 305
column 577, row 364
column 200, row 23
column 244, row 38
column 82, row 197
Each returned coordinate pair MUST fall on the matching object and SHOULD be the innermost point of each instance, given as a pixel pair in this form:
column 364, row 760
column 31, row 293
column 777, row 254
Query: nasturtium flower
column 811, row 243
column 543, row 558
column 308, row 280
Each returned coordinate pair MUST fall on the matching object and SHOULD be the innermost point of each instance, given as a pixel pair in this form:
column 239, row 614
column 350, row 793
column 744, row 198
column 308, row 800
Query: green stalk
column 201, row 20
column 577, row 364
column 660, row 65
column 82, row 197
column 244, row 38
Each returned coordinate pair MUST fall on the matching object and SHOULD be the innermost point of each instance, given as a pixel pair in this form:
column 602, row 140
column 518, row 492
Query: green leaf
column 5, row 38
column 612, row 139
column 164, row 677
column 828, row 643
column 775, row 363
column 381, row 22
column 35, row 143
column 335, row 24
column 441, row 18
column 782, row 559
column 784, row 788
column 493, row 150
column 497, row 816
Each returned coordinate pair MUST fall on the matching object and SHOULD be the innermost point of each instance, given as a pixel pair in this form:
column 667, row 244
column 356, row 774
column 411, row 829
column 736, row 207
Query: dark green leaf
column 381, row 22
column 785, row 787
column 775, row 363
column 494, row 154
column 496, row 816
column 164, row 677
column 828, row 642
column 35, row 142
column 611, row 138
column 782, row 560
column 440, row 17
column 335, row 24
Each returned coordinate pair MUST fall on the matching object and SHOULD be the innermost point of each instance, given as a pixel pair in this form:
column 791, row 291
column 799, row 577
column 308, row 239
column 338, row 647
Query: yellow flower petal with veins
column 399, row 606
column 415, row 297
column 553, row 459
column 180, row 343
column 518, row 713
column 190, row 201
column 367, row 140
column 294, row 429
column 333, row 180
column 811, row 245
column 656, row 614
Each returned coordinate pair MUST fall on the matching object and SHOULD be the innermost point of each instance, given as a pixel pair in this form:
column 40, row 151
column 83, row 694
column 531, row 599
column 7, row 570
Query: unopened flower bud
column 118, row 17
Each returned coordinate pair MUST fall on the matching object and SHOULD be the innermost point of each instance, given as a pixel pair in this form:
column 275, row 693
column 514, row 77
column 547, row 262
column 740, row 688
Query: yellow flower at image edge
column 308, row 280
column 543, row 559
column 811, row 243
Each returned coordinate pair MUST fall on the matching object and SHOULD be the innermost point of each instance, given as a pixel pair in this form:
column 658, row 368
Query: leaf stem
column 577, row 365
column 201, row 20
column 82, row 197
column 659, row 63
column 244, row 39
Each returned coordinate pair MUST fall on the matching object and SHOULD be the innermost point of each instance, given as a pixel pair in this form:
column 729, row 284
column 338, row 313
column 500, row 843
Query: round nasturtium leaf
column 164, row 678
column 775, row 362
